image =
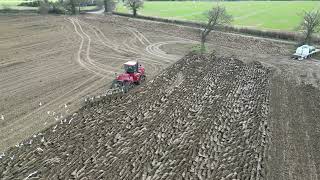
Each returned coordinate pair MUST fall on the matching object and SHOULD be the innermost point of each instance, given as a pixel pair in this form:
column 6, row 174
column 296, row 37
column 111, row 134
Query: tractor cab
column 131, row 67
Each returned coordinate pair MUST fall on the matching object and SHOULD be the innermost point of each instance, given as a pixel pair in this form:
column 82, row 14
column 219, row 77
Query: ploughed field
column 245, row 112
column 204, row 117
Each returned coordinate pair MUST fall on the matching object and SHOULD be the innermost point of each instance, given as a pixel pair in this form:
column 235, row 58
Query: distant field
column 280, row 15
column 10, row 2
column 13, row 4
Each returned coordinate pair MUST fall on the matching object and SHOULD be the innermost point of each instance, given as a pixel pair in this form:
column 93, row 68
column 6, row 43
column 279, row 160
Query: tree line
column 74, row 6
column 217, row 17
column 64, row 6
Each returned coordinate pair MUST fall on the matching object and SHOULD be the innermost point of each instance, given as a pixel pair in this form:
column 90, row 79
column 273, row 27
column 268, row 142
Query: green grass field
column 13, row 4
column 278, row 15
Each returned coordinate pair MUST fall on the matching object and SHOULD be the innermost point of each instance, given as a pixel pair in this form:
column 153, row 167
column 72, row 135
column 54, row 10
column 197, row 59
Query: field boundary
column 284, row 35
column 17, row 11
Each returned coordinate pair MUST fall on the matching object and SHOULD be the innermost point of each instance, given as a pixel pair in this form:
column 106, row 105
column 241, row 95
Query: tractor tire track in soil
column 204, row 118
column 73, row 95
column 45, row 75
column 295, row 127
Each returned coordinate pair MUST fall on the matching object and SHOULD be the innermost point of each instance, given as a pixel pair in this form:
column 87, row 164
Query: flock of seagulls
column 34, row 136
column 2, row 155
column 58, row 116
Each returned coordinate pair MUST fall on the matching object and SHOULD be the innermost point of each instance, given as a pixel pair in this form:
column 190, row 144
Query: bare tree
column 134, row 5
column 310, row 24
column 217, row 16
column 44, row 7
column 108, row 5
column 105, row 2
column 72, row 4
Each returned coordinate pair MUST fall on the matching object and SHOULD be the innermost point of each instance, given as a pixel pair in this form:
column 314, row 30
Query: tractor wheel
column 142, row 79
column 126, row 87
column 115, row 84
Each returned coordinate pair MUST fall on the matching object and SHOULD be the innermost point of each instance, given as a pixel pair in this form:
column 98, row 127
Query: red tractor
column 133, row 75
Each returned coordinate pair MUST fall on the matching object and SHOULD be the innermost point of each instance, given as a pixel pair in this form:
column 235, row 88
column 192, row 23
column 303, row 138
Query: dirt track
column 38, row 67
